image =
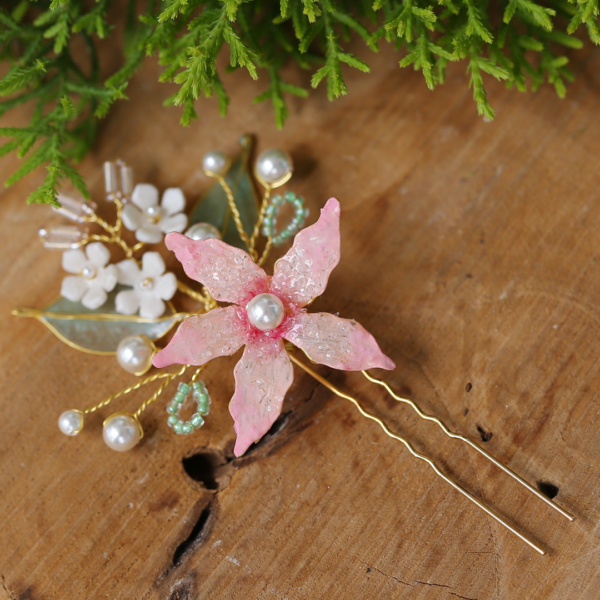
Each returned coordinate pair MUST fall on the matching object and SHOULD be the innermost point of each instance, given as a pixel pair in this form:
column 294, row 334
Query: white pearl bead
column 216, row 162
column 88, row 272
column 274, row 166
column 203, row 231
column 121, row 432
column 265, row 312
column 134, row 354
column 70, row 422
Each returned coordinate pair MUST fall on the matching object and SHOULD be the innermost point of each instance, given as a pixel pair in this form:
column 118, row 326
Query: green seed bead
column 198, row 385
column 172, row 408
column 290, row 196
column 203, row 407
column 186, row 428
column 172, row 420
column 201, row 396
column 196, row 421
column 178, row 427
column 183, row 388
column 179, row 398
column 299, row 203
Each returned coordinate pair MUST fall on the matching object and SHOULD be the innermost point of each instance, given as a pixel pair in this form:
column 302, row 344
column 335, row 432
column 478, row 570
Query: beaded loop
column 293, row 226
column 203, row 401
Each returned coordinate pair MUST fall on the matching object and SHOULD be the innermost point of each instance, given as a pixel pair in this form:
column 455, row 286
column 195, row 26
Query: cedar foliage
column 522, row 44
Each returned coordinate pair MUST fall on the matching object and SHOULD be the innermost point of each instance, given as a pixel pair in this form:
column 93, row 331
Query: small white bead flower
column 93, row 275
column 151, row 286
column 151, row 221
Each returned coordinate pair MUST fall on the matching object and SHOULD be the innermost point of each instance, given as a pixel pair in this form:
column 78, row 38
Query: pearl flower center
column 265, row 312
column 88, row 272
column 153, row 214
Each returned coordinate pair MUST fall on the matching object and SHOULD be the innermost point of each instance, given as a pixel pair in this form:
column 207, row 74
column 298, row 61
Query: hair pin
column 125, row 308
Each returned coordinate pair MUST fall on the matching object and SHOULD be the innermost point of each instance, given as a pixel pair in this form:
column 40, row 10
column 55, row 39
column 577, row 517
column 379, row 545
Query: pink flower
column 264, row 373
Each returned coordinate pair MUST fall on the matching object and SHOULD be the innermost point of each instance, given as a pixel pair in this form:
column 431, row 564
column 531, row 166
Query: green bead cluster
column 293, row 226
column 203, row 401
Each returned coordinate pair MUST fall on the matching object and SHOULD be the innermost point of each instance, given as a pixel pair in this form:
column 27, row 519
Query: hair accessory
column 124, row 308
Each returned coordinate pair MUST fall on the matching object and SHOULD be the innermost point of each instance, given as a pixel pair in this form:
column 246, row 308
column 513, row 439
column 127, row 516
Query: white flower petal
column 128, row 272
column 133, row 218
column 151, row 307
column 127, row 302
column 144, row 195
column 173, row 201
column 153, row 264
column 176, row 223
column 94, row 298
column 165, row 286
column 150, row 234
column 73, row 288
column 98, row 254
column 108, row 277
column 73, row 261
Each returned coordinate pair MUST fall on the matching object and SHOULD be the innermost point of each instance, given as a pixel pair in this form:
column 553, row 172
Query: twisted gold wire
column 261, row 216
column 159, row 391
column 266, row 251
column 466, row 440
column 234, row 210
column 127, row 390
column 416, row 454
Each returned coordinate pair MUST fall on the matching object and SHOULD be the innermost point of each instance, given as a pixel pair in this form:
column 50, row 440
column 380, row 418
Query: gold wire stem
column 204, row 298
column 127, row 390
column 261, row 216
column 416, row 454
column 161, row 388
column 473, row 445
column 234, row 210
column 266, row 251
column 196, row 373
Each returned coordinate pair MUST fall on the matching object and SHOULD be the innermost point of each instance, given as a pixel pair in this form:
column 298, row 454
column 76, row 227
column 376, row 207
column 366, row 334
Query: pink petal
column 229, row 273
column 301, row 275
column 337, row 343
column 202, row 338
column 262, row 378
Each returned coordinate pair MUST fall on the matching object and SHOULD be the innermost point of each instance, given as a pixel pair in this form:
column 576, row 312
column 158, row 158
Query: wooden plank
column 469, row 250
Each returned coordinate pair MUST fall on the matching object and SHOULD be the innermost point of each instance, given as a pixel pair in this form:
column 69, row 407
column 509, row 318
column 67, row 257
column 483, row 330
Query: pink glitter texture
column 264, row 373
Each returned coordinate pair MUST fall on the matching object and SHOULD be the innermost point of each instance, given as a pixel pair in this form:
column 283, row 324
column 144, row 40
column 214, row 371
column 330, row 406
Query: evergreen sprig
column 522, row 44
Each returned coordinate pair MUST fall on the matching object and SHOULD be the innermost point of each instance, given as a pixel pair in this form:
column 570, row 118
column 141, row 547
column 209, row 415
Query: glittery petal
column 338, row 343
column 302, row 274
column 202, row 338
column 262, row 378
column 229, row 273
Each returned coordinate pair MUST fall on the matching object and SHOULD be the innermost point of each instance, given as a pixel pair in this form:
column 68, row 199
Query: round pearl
column 88, row 272
column 203, row 231
column 70, row 422
column 134, row 354
column 147, row 284
column 121, row 432
column 216, row 162
column 265, row 312
column 154, row 213
column 274, row 166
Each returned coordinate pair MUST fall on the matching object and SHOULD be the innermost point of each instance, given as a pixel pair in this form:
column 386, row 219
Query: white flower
column 151, row 221
column 151, row 286
column 94, row 276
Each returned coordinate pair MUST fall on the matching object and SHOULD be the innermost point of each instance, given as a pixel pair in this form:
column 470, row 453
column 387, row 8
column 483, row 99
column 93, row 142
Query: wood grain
column 470, row 250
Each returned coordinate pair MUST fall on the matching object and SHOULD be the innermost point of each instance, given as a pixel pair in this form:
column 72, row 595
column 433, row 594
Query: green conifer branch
column 524, row 45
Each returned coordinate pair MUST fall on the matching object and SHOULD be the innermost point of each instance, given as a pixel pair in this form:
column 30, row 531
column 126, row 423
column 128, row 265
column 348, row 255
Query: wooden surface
column 470, row 250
